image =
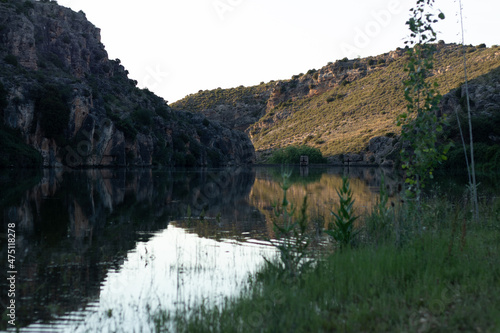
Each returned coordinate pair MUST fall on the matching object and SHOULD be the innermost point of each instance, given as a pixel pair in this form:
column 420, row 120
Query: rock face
column 348, row 109
column 241, row 108
column 238, row 108
column 484, row 96
column 381, row 151
column 78, row 108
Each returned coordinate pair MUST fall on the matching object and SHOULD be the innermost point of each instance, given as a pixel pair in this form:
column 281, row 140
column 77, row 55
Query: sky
column 178, row 47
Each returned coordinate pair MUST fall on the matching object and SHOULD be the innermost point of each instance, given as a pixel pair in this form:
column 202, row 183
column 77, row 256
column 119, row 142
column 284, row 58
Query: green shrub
column 214, row 158
column 486, row 157
column 162, row 112
column 179, row 159
column 11, row 59
column 291, row 155
column 52, row 105
column 184, row 137
column 3, row 99
column 195, row 148
column 142, row 117
column 162, row 155
column 179, row 143
column 342, row 229
column 125, row 125
column 14, row 152
column 190, row 160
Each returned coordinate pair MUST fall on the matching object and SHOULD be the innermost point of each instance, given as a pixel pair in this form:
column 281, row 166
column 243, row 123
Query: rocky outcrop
column 78, row 108
column 381, row 151
column 484, row 98
column 252, row 104
column 348, row 109
column 238, row 108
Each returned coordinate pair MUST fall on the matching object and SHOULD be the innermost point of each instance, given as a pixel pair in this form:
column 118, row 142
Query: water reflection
column 320, row 186
column 80, row 232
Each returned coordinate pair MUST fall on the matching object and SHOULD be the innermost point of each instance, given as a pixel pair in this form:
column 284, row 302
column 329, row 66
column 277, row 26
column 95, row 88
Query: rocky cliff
column 348, row 108
column 62, row 96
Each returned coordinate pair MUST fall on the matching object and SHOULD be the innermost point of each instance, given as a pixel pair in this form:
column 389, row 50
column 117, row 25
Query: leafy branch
column 420, row 124
column 342, row 228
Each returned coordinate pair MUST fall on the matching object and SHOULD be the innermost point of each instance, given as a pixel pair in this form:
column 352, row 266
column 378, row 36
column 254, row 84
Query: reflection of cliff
column 222, row 197
column 320, row 187
column 73, row 227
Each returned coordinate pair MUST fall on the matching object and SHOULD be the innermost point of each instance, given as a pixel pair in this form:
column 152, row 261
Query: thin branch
column 473, row 185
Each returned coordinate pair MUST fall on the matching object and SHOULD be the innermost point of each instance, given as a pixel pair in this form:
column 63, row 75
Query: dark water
column 103, row 250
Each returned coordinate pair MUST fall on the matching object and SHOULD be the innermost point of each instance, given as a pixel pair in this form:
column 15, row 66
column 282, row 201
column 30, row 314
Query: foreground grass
column 443, row 279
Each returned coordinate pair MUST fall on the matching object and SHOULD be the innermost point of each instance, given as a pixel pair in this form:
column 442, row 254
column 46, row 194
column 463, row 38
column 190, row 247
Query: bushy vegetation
column 485, row 128
column 15, row 153
column 3, row 99
column 209, row 99
column 52, row 104
column 142, row 118
column 291, row 155
column 487, row 157
column 11, row 60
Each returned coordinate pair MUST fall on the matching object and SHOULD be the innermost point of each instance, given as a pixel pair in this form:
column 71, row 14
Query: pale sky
column 177, row 47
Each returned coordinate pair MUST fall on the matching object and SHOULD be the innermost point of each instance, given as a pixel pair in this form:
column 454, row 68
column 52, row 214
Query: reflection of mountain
column 222, row 193
column 320, row 187
column 73, row 227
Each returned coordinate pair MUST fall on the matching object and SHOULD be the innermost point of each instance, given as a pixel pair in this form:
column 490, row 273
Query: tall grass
column 444, row 278
column 291, row 232
column 342, row 229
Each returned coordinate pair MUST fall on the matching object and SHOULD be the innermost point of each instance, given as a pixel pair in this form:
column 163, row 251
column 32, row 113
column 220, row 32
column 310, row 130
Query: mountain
column 64, row 103
column 348, row 109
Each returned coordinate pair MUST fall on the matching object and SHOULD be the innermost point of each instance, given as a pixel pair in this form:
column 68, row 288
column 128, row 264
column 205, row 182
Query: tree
column 420, row 122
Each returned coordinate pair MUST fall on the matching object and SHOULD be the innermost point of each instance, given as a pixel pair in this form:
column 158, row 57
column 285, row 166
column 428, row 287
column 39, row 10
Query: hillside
column 64, row 103
column 348, row 108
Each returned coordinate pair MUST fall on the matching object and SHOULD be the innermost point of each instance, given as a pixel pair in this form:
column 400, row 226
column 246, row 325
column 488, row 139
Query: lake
column 103, row 250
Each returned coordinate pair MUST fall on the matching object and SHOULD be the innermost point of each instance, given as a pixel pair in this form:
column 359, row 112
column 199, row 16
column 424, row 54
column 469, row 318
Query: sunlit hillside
column 340, row 107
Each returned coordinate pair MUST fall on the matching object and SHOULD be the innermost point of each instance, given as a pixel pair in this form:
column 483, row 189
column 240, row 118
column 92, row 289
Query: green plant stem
column 472, row 166
column 464, row 146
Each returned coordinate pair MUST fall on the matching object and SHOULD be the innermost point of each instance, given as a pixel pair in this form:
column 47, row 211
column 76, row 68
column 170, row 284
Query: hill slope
column 347, row 107
column 63, row 102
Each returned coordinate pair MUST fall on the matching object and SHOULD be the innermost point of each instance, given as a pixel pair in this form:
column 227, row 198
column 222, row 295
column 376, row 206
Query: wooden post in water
column 304, row 165
column 304, row 160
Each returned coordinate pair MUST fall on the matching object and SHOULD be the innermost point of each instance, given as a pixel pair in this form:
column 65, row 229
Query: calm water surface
column 103, row 250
